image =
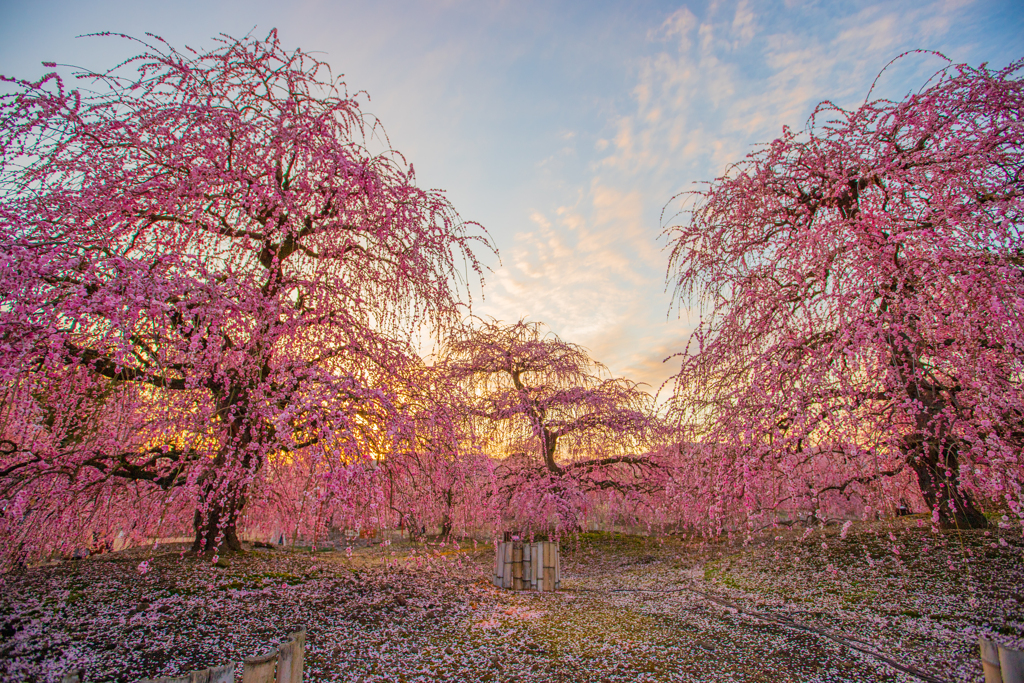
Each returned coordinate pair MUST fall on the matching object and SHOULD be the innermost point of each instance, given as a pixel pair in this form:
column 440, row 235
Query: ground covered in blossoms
column 887, row 601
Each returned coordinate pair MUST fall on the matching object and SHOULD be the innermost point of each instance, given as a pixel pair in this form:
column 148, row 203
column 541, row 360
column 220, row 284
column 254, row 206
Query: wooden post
column 558, row 567
column 506, row 569
column 990, row 661
column 291, row 654
column 528, row 583
column 300, row 637
column 517, row 566
column 1011, row 665
column 539, row 565
column 549, row 567
column 223, row 674
column 262, row 669
column 498, row 554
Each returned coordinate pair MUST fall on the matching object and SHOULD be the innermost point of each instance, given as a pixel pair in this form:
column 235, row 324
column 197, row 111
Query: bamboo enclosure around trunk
column 528, row 566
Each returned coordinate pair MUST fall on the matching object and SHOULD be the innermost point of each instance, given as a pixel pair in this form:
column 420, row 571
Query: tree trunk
column 215, row 523
column 223, row 498
column 446, row 517
column 938, row 474
column 549, row 442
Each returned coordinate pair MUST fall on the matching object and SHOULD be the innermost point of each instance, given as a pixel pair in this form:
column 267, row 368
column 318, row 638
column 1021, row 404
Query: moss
column 860, row 597
column 611, row 541
column 730, row 582
column 290, row 579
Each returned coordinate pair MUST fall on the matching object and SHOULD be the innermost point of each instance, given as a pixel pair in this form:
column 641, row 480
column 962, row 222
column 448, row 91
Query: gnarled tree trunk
column 938, row 474
column 216, row 521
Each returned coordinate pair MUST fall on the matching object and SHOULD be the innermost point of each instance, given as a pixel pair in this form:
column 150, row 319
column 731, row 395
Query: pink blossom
column 858, row 344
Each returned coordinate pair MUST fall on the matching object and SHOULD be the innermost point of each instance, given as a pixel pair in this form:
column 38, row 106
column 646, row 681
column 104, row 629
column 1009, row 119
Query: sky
column 567, row 128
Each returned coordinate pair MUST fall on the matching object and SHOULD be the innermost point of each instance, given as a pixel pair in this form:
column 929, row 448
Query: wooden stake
column 222, row 674
column 290, row 655
column 1011, row 665
column 517, row 566
column 262, row 669
column 990, row 661
column 506, row 570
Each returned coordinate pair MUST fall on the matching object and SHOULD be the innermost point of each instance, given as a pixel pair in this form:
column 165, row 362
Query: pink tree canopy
column 860, row 289
column 561, row 426
column 435, row 474
column 204, row 266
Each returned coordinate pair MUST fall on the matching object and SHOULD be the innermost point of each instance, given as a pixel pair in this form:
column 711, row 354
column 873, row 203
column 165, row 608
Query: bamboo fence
column 282, row 664
column 1001, row 664
column 528, row 566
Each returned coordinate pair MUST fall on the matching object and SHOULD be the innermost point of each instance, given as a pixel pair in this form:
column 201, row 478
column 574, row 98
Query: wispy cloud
column 711, row 86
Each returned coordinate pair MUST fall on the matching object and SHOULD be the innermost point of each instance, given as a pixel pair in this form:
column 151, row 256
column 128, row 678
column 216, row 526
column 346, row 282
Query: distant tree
column 434, row 474
column 860, row 289
column 203, row 267
column 562, row 426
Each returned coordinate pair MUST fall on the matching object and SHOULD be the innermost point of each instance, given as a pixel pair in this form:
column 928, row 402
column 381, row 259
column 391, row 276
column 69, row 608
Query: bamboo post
column 498, row 554
column 517, row 566
column 300, row 637
column 291, row 653
column 506, row 570
column 558, row 567
column 222, row 674
column 1011, row 665
column 527, row 566
column 549, row 567
column 542, row 557
column 262, row 669
column 538, row 566
column 990, row 661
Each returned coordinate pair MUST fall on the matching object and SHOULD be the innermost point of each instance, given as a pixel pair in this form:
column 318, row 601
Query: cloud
column 590, row 263
column 743, row 24
column 728, row 79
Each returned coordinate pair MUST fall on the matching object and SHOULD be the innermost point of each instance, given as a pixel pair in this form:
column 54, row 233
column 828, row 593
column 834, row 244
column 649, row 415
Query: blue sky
column 566, row 127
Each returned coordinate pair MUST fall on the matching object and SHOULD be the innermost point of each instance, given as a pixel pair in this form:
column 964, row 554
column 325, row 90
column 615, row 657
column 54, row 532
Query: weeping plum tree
column 861, row 288
column 562, row 426
column 203, row 266
column 435, row 474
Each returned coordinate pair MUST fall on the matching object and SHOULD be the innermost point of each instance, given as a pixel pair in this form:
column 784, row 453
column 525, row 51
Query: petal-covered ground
column 879, row 602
